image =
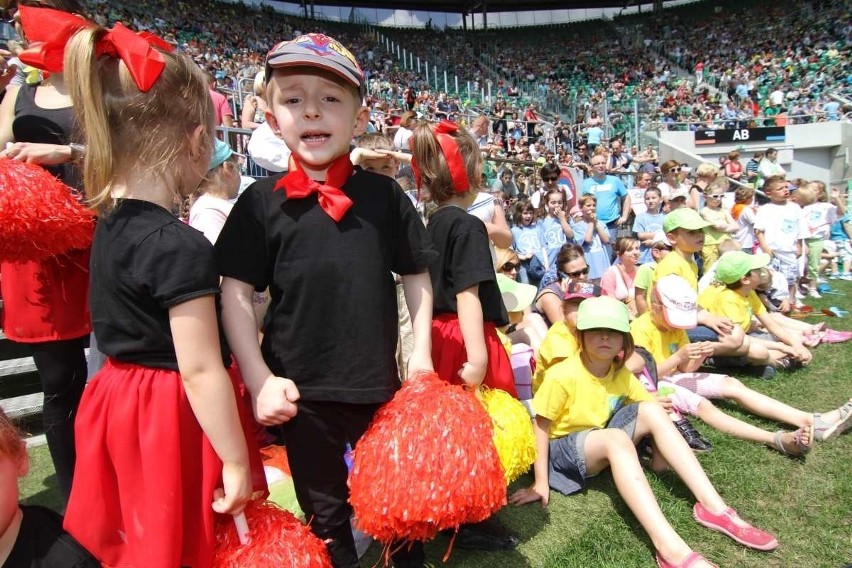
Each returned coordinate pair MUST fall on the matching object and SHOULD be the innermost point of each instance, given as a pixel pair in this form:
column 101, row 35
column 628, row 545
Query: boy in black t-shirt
column 30, row 537
column 324, row 238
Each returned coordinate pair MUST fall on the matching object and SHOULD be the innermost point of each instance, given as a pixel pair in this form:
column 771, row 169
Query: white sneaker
column 814, row 294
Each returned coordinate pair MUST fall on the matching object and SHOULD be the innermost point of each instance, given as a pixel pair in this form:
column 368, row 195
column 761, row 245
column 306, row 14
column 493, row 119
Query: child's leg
column 762, row 405
column 790, row 442
column 612, row 447
column 814, row 255
column 653, row 420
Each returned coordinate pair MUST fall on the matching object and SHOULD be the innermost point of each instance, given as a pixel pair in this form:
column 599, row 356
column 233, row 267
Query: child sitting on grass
column 739, row 276
column 591, row 411
column 30, row 536
column 661, row 332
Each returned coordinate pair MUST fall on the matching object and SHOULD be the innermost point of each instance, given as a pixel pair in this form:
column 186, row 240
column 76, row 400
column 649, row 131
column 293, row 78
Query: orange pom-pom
column 426, row 463
column 276, row 539
column 39, row 215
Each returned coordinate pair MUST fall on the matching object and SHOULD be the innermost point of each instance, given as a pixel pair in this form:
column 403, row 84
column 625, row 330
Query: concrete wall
column 820, row 151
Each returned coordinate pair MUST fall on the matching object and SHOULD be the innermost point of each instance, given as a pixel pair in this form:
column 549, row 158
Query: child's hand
column 236, row 491
column 419, row 362
column 720, row 324
column 665, row 401
column 471, row 374
column 398, row 156
column 276, row 401
column 531, row 494
column 693, row 351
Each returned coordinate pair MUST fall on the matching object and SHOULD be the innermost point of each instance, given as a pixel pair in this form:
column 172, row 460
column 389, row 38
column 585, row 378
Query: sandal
column 824, row 431
column 690, row 560
column 799, row 448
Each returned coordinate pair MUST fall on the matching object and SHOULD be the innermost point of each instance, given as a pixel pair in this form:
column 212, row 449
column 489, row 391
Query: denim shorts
column 701, row 333
column 567, row 463
column 786, row 265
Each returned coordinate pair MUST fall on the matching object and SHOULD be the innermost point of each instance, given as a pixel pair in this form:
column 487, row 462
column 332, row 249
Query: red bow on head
column 450, row 150
column 333, row 201
column 48, row 32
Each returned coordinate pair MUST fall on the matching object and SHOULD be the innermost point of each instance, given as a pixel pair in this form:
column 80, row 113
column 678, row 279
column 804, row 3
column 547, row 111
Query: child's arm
column 603, row 232
column 761, row 240
column 418, row 297
column 274, row 397
column 563, row 222
column 641, row 304
column 731, row 226
column 211, row 396
column 471, row 322
column 498, row 230
column 540, row 489
column 590, row 231
column 687, row 359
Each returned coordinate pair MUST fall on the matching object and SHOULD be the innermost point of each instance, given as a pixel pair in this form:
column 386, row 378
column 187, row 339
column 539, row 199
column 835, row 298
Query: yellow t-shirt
column 674, row 263
column 559, row 344
column 661, row 344
column 574, row 400
column 722, row 301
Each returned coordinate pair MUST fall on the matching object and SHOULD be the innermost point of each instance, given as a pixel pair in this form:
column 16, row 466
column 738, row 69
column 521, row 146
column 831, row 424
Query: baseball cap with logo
column 679, row 301
column 317, row 50
column 735, row 264
column 582, row 290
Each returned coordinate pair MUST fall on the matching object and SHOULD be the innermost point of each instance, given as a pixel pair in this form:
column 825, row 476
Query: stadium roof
column 468, row 6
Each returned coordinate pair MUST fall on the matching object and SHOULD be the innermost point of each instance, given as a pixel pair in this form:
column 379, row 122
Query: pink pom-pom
column 276, row 539
column 426, row 463
column 39, row 215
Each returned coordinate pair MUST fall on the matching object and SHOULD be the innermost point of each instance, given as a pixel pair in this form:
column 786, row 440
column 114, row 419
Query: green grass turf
column 806, row 503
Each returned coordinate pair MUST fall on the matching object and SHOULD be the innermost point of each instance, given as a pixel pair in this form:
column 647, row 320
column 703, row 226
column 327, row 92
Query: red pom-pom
column 426, row 463
column 277, row 539
column 39, row 215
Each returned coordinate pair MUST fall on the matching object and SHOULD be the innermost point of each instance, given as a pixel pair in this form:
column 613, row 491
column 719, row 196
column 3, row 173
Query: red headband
column 450, row 149
column 48, row 32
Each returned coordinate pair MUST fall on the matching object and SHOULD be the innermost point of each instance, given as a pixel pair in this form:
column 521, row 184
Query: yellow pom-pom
column 513, row 432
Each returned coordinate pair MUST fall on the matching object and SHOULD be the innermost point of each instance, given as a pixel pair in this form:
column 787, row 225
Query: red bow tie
column 333, row 201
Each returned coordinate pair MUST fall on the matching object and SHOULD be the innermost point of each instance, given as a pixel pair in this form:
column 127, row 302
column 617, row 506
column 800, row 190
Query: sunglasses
column 673, row 170
column 548, row 179
column 577, row 273
column 715, row 196
column 510, row 266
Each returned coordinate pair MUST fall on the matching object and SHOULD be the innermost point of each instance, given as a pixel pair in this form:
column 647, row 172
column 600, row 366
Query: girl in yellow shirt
column 590, row 413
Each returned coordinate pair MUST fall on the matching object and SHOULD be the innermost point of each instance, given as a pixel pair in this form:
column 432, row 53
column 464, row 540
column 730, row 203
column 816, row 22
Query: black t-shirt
column 465, row 260
column 42, row 543
column 332, row 325
column 145, row 261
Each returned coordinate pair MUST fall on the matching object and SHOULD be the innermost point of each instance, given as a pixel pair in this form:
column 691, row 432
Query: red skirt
column 146, row 472
column 448, row 354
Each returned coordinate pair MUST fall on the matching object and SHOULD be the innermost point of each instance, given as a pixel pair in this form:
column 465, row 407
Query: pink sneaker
column 725, row 523
column 834, row 336
column 688, row 562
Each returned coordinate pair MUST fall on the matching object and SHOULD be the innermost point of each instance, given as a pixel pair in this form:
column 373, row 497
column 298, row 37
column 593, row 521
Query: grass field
column 807, row 502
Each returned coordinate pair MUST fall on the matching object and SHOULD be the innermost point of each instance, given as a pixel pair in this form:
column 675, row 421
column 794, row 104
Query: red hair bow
column 48, row 32
column 137, row 51
column 450, row 149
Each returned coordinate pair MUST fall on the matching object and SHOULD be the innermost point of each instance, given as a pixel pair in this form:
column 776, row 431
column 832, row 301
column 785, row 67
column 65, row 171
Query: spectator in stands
column 254, row 105
column 733, row 166
column 642, row 181
column 404, row 132
column 223, row 112
column 752, row 175
column 531, row 118
column 479, row 129
column 505, row 184
column 671, row 183
column 618, row 159
column 769, row 166
column 613, row 205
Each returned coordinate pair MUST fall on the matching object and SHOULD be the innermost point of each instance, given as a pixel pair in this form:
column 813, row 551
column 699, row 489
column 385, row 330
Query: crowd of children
column 165, row 439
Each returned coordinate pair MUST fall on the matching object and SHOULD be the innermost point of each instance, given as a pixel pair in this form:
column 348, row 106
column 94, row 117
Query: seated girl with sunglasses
column 570, row 266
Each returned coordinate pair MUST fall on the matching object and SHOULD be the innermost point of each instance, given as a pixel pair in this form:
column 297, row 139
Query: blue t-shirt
column 837, row 232
column 526, row 240
column 647, row 223
column 550, row 233
column 596, row 254
column 595, row 133
column 608, row 193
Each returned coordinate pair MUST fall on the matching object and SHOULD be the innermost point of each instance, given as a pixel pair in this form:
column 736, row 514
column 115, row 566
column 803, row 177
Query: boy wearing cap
column 659, row 248
column 661, row 332
column 736, row 299
column 324, row 238
column 684, row 229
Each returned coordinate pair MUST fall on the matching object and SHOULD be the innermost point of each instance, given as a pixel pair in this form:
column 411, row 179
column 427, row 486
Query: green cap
column 684, row 218
column 516, row 296
column 735, row 264
column 603, row 312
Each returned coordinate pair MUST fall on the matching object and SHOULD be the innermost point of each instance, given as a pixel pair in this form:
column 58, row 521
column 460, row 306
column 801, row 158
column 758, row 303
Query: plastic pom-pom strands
column 426, row 463
column 39, row 215
column 277, row 539
column 514, row 437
